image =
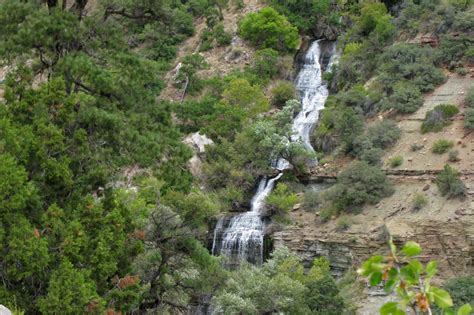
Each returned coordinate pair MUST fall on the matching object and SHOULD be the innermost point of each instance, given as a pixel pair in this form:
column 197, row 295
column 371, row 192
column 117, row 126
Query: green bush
column 265, row 62
column 360, row 99
column 437, row 118
column 309, row 16
column 222, row 37
column 406, row 98
column 416, row 147
column 419, row 201
column 339, row 124
column 384, row 133
column 268, row 29
column 461, row 290
column 469, row 100
column 371, row 155
column 281, row 200
column 311, row 200
column 343, row 223
column 282, row 92
column 357, row 185
column 240, row 93
column 453, row 156
column 412, row 64
column 441, row 146
column 449, row 183
column 375, row 20
column 396, row 161
column 469, row 119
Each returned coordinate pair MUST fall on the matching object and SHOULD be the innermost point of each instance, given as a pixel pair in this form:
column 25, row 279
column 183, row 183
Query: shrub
column 469, row 119
column 442, row 146
column 372, row 155
column 282, row 201
column 311, row 200
column 453, row 156
column 358, row 184
column 411, row 64
column 268, row 29
column 437, row 118
column 241, row 94
column 419, row 201
column 461, row 290
column 406, row 98
column 469, row 100
column 360, row 99
column 282, row 92
column 449, row 183
column 339, row 124
column 396, row 161
column 327, row 213
column 264, row 63
column 415, row 147
column 222, row 37
column 384, row 133
column 343, row 223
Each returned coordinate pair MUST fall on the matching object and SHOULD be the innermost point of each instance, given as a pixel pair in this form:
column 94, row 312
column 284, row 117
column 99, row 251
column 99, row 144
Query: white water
column 242, row 237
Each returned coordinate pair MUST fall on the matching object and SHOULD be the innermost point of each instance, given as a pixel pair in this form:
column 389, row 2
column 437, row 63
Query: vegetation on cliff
column 98, row 209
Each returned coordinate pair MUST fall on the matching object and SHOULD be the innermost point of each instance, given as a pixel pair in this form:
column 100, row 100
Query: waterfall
column 241, row 236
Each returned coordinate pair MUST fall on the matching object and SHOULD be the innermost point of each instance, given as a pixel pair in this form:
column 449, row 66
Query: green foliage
column 396, row 161
column 268, row 29
column 238, row 164
column 357, row 185
column 280, row 285
column 241, row 94
column 264, row 63
column 343, row 223
column 215, row 37
column 282, row 92
column 311, row 200
column 362, row 100
column 406, row 98
column 416, row 147
column 437, row 118
column 375, row 20
column 441, row 146
column 70, row 291
column 309, row 15
column 384, row 134
column 338, row 124
column 453, row 156
column 190, row 65
column 419, row 201
column 281, row 200
column 406, row 62
column 449, row 183
column 469, row 100
column 405, row 275
column 461, row 290
column 469, row 119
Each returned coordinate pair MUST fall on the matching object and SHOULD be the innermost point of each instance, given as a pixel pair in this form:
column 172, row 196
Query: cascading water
column 242, row 236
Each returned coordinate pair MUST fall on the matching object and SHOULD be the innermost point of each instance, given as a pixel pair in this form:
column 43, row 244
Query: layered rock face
column 444, row 229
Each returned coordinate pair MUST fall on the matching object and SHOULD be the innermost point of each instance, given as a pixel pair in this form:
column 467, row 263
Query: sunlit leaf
column 411, row 249
column 391, row 308
column 465, row 309
column 441, row 297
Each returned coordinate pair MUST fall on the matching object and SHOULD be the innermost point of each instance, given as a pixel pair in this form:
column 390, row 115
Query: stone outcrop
column 444, row 228
column 450, row 243
column 198, row 143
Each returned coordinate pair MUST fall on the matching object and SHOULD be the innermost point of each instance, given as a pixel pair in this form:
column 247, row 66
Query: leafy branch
column 400, row 272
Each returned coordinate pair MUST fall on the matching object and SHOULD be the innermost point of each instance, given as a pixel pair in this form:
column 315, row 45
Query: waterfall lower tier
column 241, row 237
